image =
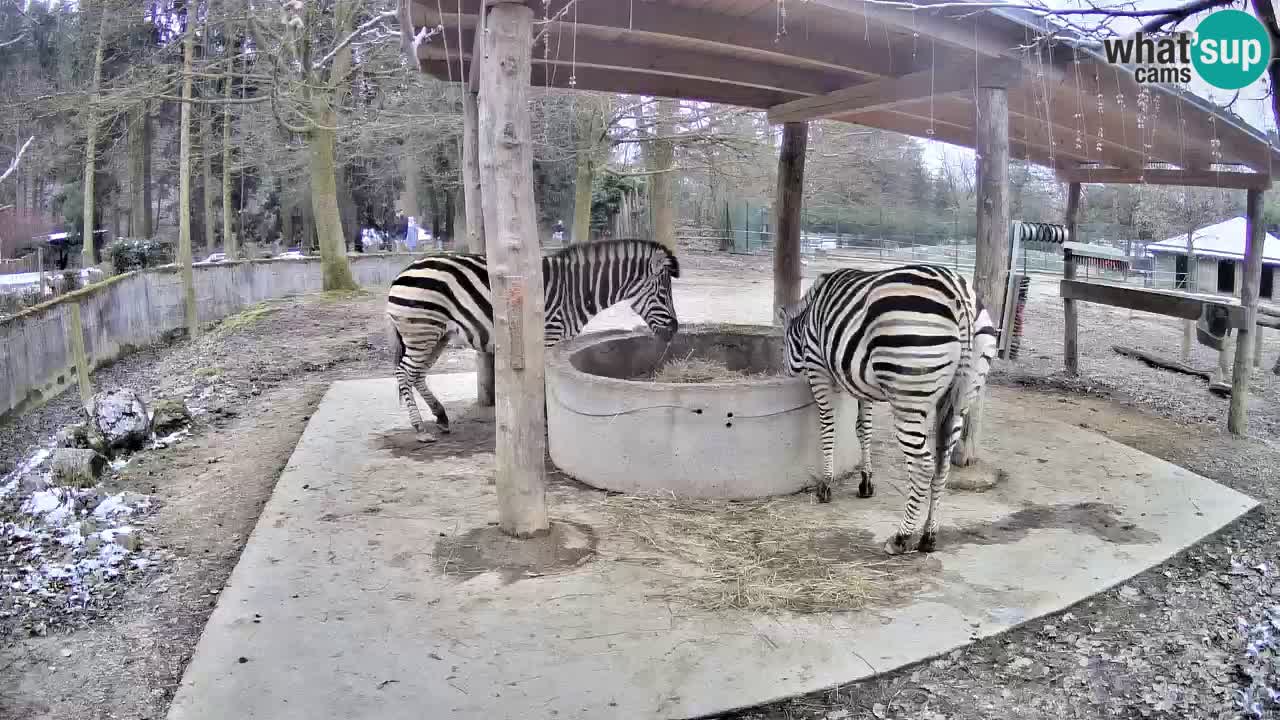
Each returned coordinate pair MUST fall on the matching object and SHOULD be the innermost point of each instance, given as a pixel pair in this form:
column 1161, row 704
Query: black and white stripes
column 915, row 337
column 441, row 294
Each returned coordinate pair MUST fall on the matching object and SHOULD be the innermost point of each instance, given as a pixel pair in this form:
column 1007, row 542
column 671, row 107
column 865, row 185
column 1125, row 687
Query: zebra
column 442, row 295
column 915, row 337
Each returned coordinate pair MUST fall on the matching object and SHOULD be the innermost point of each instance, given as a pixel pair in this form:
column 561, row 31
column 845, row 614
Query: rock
column 33, row 482
column 73, row 436
column 122, row 418
column 169, row 415
column 77, row 467
column 130, row 541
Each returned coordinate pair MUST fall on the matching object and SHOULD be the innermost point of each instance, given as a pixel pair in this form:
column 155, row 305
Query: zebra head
column 791, row 319
column 986, row 342
column 653, row 300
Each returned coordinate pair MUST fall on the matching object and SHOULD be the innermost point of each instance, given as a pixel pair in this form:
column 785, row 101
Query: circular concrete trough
column 611, row 428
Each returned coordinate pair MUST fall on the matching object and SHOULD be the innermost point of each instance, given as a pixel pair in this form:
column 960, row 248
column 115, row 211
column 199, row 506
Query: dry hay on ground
column 696, row 370
column 766, row 555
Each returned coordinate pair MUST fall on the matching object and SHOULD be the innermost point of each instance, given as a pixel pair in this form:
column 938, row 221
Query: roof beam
column 628, row 56
column 881, row 94
column 963, row 33
column 1231, row 180
column 705, row 29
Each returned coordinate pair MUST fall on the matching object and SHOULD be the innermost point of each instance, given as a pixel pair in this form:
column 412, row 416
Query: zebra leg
column 929, row 539
column 410, row 369
column 420, row 382
column 820, row 386
column 866, row 488
column 912, row 426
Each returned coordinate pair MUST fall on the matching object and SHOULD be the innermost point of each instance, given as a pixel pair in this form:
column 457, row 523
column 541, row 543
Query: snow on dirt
column 61, row 546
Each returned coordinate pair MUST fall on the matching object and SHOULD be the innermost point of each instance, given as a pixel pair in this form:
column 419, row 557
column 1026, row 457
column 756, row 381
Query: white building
column 1219, row 254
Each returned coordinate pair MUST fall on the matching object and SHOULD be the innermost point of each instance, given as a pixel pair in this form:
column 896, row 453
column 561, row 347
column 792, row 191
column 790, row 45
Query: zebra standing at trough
column 444, row 293
column 915, row 337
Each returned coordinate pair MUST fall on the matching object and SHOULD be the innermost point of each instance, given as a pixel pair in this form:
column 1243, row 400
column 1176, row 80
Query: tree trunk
column 590, row 126
column 433, row 202
column 229, row 238
column 449, row 215
column 409, row 173
column 506, row 164
column 139, row 211
column 91, row 144
column 324, row 98
column 148, row 141
column 662, row 182
column 206, row 175
column 184, row 189
column 324, row 205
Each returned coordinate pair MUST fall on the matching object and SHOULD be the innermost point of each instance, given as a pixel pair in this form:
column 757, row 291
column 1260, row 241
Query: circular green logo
column 1232, row 49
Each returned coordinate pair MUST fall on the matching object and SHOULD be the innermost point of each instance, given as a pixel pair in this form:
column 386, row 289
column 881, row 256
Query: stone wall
column 139, row 308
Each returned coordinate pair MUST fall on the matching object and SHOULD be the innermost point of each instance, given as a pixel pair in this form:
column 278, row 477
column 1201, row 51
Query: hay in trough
column 769, row 555
column 697, row 370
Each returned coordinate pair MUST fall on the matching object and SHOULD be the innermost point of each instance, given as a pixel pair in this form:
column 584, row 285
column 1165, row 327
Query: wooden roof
column 874, row 65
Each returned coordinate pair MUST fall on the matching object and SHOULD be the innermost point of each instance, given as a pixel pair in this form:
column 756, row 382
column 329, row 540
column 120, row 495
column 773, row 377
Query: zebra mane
column 792, row 311
column 581, row 249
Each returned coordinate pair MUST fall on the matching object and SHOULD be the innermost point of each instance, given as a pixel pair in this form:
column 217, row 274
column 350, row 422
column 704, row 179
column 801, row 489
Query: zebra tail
column 397, row 342
column 945, row 416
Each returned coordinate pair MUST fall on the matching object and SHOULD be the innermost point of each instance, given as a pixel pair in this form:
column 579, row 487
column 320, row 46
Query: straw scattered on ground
column 769, row 555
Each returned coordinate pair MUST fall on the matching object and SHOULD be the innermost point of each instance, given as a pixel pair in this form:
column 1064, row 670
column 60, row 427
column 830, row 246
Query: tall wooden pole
column 1070, row 335
column 515, row 267
column 786, row 214
column 472, row 197
column 991, row 142
column 1237, row 416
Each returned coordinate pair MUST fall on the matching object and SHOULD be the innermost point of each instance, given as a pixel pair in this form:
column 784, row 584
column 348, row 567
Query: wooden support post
column 1255, row 234
column 1256, row 366
column 991, row 142
column 40, row 265
column 1070, row 335
column 75, row 341
column 472, row 198
column 786, row 214
column 515, row 268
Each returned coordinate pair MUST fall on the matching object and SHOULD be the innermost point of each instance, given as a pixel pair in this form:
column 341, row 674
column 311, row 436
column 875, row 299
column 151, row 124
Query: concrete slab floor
column 354, row 597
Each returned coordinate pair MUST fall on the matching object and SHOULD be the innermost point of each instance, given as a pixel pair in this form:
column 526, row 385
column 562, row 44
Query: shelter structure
column 1219, row 256
column 1005, row 82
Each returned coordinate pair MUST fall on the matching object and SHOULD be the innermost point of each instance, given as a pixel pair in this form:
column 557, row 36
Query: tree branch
column 1173, row 15
column 363, row 28
column 13, row 166
column 1267, row 13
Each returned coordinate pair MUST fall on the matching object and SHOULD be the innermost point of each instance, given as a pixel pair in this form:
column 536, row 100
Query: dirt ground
column 1170, row 644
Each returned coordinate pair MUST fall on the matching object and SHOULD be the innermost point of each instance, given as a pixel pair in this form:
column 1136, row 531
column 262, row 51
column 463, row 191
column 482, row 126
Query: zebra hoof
column 866, row 488
column 897, row 545
column 425, row 438
column 443, row 428
column 823, row 492
column 928, row 542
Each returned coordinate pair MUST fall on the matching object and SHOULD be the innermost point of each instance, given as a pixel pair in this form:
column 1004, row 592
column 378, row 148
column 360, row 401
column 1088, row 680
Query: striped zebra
column 442, row 295
column 915, row 337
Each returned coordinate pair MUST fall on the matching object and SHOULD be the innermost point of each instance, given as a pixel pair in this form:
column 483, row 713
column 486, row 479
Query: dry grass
column 769, row 555
column 696, row 370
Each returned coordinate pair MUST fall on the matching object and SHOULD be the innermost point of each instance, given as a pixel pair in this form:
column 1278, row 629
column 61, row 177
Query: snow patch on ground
column 61, row 547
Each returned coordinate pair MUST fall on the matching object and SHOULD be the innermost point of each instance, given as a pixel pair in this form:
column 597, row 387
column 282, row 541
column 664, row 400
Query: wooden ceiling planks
column 736, row 52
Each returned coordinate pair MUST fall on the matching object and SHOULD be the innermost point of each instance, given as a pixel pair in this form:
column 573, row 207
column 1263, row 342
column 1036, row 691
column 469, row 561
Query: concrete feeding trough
column 751, row 433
